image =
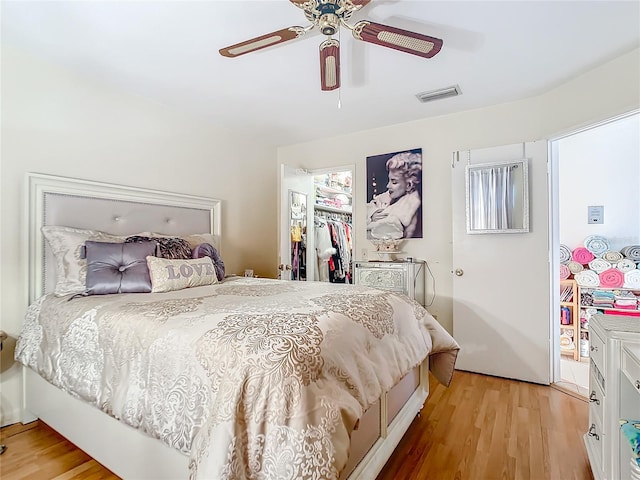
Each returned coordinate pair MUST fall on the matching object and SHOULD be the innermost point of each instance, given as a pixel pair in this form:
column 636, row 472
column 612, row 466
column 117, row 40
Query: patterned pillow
column 193, row 239
column 169, row 247
column 170, row 274
column 208, row 250
column 66, row 244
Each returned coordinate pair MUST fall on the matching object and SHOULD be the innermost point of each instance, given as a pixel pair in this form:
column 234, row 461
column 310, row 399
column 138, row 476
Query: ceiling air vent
column 439, row 94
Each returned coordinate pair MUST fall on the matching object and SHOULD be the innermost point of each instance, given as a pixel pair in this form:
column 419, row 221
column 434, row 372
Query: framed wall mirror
column 298, row 224
column 498, row 197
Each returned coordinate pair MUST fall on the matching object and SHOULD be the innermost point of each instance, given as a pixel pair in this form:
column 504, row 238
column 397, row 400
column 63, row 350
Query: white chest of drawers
column 614, row 393
column 403, row 277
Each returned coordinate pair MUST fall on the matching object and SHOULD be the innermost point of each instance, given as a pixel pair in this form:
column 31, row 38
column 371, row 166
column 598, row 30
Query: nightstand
column 398, row 276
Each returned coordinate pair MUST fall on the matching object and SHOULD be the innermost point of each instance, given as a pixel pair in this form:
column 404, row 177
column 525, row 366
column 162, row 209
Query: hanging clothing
column 324, row 249
column 298, row 253
column 333, row 250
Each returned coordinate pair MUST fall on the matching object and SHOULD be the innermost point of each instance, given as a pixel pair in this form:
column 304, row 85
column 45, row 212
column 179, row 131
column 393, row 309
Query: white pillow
column 175, row 274
column 65, row 244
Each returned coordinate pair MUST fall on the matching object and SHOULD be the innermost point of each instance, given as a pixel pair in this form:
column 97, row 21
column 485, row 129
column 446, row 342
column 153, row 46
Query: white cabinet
column 614, row 395
column 399, row 276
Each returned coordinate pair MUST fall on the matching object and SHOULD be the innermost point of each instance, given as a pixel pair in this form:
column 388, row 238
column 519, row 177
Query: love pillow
column 168, row 274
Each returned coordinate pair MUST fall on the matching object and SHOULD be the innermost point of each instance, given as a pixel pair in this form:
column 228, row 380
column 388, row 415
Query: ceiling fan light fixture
column 438, row 94
column 329, row 23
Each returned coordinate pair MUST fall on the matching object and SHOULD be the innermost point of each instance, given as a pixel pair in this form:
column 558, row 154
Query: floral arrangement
column 387, row 244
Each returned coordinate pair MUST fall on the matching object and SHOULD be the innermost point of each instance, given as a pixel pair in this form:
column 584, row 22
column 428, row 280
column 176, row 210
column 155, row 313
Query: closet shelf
column 629, row 289
column 600, row 307
column 326, row 208
column 325, row 190
column 569, row 292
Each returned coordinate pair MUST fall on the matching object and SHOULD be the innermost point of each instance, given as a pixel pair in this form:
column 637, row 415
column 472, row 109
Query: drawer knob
column 638, row 384
column 592, row 432
column 594, row 348
column 459, row 272
column 593, row 398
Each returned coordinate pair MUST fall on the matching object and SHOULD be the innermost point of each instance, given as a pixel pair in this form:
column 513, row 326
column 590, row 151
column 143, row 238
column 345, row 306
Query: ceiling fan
column 328, row 16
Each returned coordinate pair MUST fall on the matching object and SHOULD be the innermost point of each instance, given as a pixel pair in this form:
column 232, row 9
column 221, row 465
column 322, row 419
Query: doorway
column 316, row 237
column 333, row 224
column 590, row 169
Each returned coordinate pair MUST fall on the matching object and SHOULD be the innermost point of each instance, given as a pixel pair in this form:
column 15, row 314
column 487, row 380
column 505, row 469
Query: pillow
column 170, row 274
column 208, row 250
column 65, row 244
column 169, row 247
column 196, row 239
column 118, row 267
column 193, row 239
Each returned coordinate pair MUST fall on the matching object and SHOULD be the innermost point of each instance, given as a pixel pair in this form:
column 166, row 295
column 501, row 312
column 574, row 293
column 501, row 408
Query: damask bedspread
column 252, row 378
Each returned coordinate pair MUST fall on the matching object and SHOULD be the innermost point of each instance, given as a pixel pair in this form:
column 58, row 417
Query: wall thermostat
column 595, row 214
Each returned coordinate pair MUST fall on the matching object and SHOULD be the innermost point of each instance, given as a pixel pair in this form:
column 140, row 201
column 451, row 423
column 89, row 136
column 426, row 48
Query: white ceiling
column 167, row 51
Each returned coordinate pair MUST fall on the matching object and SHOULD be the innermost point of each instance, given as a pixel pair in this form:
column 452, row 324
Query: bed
column 241, row 378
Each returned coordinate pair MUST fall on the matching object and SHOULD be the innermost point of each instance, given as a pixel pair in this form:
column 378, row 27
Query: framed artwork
column 394, row 195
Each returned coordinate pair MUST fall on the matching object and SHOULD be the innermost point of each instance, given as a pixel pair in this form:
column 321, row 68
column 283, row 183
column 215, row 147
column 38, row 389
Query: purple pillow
column 208, row 250
column 118, row 267
column 169, row 247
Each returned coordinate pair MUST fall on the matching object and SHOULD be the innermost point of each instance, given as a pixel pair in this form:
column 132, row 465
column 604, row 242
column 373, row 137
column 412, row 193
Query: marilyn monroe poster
column 394, row 195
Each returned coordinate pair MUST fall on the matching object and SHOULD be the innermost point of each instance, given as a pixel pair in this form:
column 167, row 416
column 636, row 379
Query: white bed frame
column 127, row 452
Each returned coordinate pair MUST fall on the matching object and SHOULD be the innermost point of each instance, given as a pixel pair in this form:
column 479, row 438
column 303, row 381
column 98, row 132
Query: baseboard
column 11, row 417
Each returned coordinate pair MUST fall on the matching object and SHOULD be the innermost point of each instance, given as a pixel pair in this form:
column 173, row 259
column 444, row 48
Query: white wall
column 601, row 166
column 58, row 123
column 582, row 101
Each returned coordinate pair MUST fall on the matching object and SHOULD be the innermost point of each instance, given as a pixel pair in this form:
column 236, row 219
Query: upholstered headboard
column 115, row 209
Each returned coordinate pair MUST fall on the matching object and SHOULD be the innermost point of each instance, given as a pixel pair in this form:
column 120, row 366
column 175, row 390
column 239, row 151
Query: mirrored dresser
column 398, row 276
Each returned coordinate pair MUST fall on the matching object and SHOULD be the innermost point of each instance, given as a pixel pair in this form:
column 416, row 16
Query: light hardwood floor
column 480, row 428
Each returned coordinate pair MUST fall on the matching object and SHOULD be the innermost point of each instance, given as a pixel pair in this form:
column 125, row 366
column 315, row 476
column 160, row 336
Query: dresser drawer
column 594, row 441
column 384, row 278
column 631, row 365
column 596, row 396
column 596, row 350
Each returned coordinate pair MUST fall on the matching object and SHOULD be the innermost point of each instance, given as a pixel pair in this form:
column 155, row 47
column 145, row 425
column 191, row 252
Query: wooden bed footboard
column 132, row 454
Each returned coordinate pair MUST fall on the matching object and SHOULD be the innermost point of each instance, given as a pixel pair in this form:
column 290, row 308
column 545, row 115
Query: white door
column 301, row 181
column 501, row 281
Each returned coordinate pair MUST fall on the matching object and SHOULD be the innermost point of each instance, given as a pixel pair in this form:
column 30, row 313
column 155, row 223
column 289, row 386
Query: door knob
column 281, row 267
column 459, row 272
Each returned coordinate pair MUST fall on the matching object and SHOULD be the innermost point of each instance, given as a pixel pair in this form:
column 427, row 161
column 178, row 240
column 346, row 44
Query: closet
column 316, row 221
column 332, row 227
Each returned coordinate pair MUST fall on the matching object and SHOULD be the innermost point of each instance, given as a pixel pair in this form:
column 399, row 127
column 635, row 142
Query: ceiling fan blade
column 330, row 64
column 264, row 41
column 397, row 38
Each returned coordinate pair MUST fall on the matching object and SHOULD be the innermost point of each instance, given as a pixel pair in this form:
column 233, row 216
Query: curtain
column 492, row 198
